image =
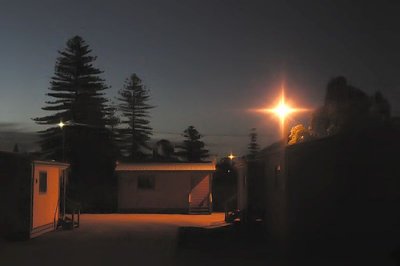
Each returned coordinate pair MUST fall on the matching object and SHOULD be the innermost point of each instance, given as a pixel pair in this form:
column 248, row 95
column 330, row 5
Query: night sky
column 205, row 62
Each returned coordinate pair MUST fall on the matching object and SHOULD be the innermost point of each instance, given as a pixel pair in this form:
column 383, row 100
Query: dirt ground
column 108, row 239
column 157, row 239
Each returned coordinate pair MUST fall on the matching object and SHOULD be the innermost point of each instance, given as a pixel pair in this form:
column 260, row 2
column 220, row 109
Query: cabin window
column 42, row 182
column 146, row 182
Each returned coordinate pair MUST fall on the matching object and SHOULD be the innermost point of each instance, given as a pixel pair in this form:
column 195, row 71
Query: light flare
column 282, row 110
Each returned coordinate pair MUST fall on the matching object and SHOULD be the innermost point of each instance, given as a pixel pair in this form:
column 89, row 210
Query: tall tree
column 112, row 121
column 16, row 148
column 77, row 99
column 347, row 108
column 253, row 146
column 192, row 149
column 134, row 108
column 112, row 118
column 77, row 92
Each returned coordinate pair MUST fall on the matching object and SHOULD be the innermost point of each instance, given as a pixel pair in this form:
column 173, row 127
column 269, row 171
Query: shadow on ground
column 249, row 245
column 225, row 245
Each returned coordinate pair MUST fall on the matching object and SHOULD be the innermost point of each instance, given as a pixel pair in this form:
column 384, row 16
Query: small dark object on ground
column 231, row 215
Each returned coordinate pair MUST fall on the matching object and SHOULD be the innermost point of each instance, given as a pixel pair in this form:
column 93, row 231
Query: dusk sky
column 205, row 62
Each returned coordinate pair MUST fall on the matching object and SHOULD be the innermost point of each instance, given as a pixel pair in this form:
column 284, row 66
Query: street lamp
column 61, row 124
column 231, row 157
column 63, row 181
column 282, row 110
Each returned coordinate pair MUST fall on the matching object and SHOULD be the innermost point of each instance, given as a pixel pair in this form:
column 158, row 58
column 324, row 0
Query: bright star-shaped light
column 61, row 124
column 231, row 156
column 282, row 110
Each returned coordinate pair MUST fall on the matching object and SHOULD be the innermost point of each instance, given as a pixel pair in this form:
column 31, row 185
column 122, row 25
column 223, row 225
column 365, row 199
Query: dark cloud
column 14, row 133
column 9, row 126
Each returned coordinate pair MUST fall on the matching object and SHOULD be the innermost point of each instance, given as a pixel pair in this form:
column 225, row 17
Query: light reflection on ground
column 107, row 239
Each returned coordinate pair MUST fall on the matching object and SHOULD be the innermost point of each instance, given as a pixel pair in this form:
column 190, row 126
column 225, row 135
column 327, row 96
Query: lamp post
column 63, row 181
column 61, row 125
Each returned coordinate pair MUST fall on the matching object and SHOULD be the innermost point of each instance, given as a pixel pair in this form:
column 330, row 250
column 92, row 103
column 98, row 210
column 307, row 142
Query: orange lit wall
column 200, row 190
column 44, row 207
column 170, row 194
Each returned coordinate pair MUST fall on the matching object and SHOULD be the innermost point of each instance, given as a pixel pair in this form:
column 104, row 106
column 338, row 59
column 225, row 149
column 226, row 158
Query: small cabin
column 31, row 194
column 165, row 187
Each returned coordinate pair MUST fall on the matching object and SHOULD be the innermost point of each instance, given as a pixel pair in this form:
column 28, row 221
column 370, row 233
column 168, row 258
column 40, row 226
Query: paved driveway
column 108, row 239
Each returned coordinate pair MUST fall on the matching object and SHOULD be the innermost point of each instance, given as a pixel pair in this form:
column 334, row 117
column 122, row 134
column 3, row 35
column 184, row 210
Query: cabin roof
column 53, row 163
column 165, row 167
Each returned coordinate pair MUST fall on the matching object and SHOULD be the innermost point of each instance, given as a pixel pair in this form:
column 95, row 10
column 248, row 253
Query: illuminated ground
column 108, row 239
column 157, row 239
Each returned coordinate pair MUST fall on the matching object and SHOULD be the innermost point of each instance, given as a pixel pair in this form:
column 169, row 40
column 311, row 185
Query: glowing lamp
column 282, row 110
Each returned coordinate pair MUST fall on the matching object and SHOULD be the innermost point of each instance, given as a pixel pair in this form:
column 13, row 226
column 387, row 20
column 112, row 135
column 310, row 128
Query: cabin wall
column 316, row 188
column 15, row 196
column 337, row 188
column 275, row 197
column 241, row 168
column 169, row 193
column 45, row 207
column 200, row 187
column 335, row 191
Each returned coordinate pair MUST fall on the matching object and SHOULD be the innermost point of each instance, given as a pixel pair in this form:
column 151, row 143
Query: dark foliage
column 192, row 149
column 298, row 134
column 133, row 137
column 164, row 150
column 112, row 119
column 253, row 145
column 348, row 108
column 224, row 184
column 77, row 94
